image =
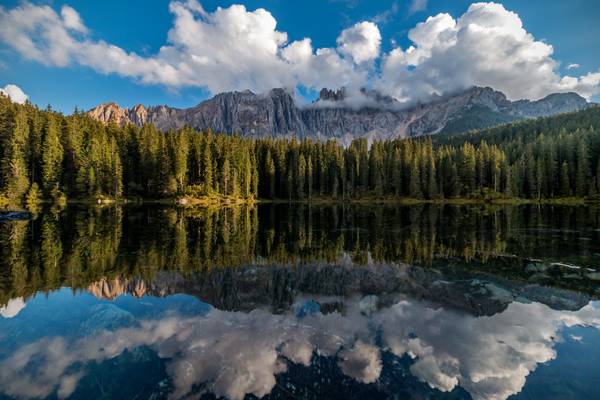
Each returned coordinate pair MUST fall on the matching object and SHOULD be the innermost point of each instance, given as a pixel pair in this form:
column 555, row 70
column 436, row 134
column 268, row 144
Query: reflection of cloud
column 13, row 308
column 238, row 353
column 490, row 356
column 362, row 362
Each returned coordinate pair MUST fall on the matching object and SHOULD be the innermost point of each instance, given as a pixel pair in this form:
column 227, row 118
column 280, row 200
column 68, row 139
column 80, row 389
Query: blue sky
column 571, row 28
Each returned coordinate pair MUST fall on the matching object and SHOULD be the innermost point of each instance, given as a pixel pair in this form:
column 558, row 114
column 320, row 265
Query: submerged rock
column 535, row 268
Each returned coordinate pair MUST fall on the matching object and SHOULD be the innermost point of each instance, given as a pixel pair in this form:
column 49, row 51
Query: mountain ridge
column 338, row 114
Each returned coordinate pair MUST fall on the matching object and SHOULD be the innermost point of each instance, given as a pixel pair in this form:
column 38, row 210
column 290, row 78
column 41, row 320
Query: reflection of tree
column 17, row 246
column 80, row 246
column 51, row 252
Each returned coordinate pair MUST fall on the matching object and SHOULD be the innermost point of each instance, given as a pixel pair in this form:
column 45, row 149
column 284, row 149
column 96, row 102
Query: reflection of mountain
column 278, row 287
column 409, row 347
column 83, row 246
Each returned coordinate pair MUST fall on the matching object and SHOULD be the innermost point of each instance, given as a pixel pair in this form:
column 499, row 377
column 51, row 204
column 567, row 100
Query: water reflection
column 297, row 302
column 82, row 246
column 232, row 353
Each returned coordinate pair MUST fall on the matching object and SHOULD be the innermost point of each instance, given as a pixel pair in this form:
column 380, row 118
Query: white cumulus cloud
column 361, row 42
column 235, row 48
column 14, row 93
column 486, row 46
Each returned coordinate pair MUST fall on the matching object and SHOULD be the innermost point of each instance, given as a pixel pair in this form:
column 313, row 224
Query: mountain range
column 336, row 114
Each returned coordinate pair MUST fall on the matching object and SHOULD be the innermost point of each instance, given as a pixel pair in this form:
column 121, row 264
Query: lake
column 289, row 301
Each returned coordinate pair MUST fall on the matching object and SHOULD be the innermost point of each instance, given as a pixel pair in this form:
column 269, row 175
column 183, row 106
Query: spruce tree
column 301, row 177
column 583, row 170
column 207, row 167
column 565, row 186
column 270, row 175
column 52, row 154
column 415, row 181
column 598, row 177
column 397, row 172
column 309, row 176
column 14, row 163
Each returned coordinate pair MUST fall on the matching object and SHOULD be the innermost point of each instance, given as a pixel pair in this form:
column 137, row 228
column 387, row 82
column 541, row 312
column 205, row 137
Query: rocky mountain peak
column 341, row 114
column 109, row 112
column 332, row 95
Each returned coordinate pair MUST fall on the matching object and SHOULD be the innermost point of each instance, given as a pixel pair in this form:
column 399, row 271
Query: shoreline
column 190, row 202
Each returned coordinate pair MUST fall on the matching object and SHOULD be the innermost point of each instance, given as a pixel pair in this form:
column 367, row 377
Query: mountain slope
column 337, row 115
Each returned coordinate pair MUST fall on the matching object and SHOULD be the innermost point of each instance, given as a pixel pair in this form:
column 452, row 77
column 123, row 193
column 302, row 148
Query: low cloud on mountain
column 235, row 49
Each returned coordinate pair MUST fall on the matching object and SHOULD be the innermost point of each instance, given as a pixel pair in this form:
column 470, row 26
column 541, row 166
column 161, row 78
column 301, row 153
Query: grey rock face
column 336, row 116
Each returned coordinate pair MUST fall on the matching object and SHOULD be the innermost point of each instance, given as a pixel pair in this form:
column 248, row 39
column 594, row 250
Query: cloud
column 387, row 15
column 237, row 353
column 417, row 6
column 573, row 66
column 14, row 306
column 72, row 20
column 486, row 46
column 491, row 357
column 361, row 42
column 362, row 362
column 235, row 48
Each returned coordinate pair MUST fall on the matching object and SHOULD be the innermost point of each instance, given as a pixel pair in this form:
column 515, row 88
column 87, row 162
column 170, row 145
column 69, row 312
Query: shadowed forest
column 46, row 155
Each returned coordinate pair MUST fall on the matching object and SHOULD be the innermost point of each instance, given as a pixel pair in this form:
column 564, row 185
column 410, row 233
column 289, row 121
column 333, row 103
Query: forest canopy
column 45, row 154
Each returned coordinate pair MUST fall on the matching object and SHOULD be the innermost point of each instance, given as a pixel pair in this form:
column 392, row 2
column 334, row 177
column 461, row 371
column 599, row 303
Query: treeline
column 45, row 154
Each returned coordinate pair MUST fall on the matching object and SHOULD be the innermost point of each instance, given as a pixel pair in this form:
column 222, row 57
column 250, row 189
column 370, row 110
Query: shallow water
column 344, row 302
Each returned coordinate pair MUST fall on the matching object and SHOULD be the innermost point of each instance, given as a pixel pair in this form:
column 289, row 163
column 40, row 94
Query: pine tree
column 226, row 178
column 270, row 174
column 565, row 186
column 180, row 159
column 541, row 178
column 415, row 181
column 247, row 180
column 432, row 187
column 15, row 173
column 52, row 155
column 467, row 170
column 207, row 167
column 583, row 170
column 117, row 174
column 397, row 172
column 309, row 176
column 301, row 177
column 598, row 177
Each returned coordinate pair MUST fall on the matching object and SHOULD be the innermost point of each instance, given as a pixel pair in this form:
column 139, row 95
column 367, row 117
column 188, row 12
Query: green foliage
column 477, row 117
column 15, row 173
column 52, row 154
column 34, row 198
column 78, row 157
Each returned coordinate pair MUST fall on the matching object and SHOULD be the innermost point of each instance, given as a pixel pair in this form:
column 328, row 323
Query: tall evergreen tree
column 565, row 185
column 207, row 166
column 583, row 170
column 415, row 181
column 52, row 154
column 15, row 174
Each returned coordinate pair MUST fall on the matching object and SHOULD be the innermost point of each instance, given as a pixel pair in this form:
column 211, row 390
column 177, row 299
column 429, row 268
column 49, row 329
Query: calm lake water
column 294, row 302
